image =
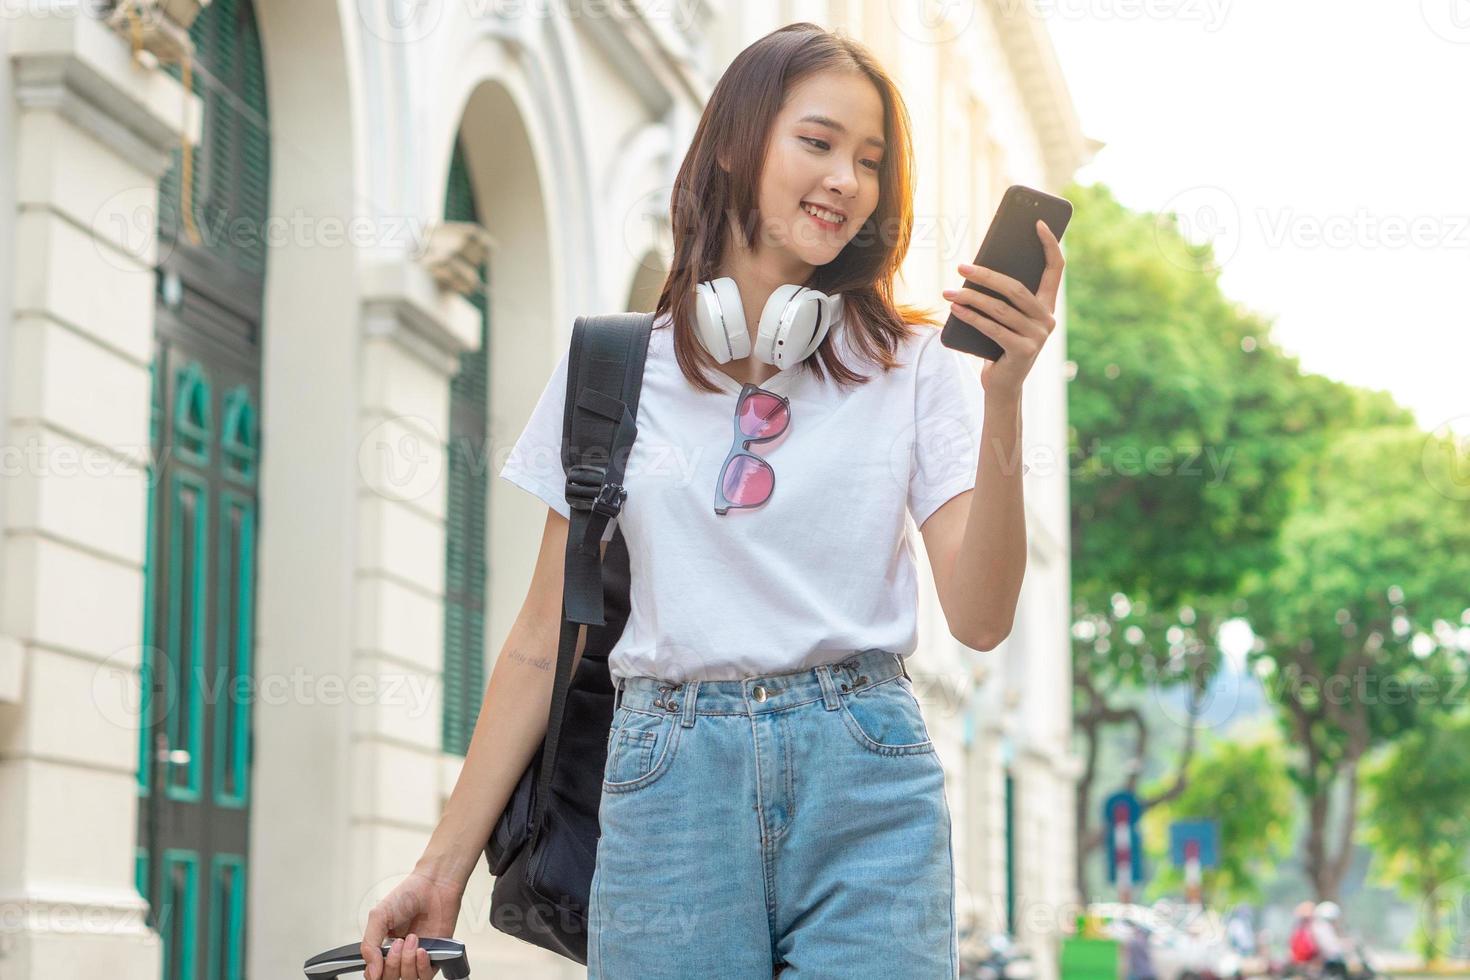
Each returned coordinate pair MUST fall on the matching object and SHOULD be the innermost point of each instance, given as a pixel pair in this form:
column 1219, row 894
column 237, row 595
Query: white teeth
column 825, row 215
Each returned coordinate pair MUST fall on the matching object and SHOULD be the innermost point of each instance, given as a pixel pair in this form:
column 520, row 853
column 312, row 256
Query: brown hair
column 738, row 120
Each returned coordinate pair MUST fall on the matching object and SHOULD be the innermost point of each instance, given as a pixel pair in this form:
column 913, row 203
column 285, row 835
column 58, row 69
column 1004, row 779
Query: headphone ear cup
column 720, row 320
column 829, row 311
column 792, row 325
column 773, row 327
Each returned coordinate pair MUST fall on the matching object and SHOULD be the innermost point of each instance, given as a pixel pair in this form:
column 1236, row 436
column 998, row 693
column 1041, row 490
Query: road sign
column 1194, row 845
column 1124, row 849
column 1204, row 834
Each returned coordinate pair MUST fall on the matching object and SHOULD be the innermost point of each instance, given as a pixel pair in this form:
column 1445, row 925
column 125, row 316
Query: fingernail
column 950, row 293
column 412, row 937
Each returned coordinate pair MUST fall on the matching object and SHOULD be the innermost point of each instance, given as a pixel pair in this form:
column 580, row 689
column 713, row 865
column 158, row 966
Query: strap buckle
column 587, row 490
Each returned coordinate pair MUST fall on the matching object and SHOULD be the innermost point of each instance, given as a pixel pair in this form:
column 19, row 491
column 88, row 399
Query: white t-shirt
column 823, row 568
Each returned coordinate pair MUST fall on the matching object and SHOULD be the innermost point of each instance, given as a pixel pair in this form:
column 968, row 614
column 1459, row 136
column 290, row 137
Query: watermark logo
column 402, row 458
column 1449, row 19
column 1208, row 224
column 401, row 21
column 932, row 21
column 1445, row 460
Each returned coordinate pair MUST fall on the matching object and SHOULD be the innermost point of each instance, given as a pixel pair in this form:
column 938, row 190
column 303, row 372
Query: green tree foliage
column 1357, row 616
column 1417, row 821
column 1187, row 426
column 1244, row 786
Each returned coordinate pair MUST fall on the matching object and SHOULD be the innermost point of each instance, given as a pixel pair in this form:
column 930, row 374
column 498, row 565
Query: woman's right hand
column 421, row 905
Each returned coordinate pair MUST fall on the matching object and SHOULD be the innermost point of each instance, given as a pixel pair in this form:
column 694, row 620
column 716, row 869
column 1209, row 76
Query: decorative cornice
column 401, row 301
column 657, row 64
column 79, row 68
column 1028, row 47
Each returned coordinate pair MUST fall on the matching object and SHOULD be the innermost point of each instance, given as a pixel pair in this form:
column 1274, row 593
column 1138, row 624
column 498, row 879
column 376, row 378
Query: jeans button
column 760, row 693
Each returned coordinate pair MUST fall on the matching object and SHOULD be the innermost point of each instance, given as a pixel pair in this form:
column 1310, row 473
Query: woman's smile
column 812, row 211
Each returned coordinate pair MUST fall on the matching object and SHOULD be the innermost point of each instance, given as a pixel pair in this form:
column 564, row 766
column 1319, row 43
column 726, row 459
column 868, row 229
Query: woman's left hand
column 1021, row 329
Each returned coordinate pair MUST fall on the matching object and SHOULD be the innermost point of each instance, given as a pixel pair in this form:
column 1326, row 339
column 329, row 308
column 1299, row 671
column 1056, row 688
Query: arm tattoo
column 530, row 660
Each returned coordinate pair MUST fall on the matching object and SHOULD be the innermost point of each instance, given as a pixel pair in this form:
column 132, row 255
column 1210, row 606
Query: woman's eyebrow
column 833, row 124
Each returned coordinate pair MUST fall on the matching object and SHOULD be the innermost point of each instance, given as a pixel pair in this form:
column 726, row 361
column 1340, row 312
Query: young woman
column 772, row 800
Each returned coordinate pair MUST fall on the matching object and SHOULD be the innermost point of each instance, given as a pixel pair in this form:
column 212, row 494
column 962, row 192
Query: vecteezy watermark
column 932, row 21
column 143, row 14
column 1209, row 13
column 55, row 918
column 946, row 694
column 1204, row 695
column 1362, row 229
column 1445, row 460
column 682, row 15
column 647, row 235
column 1198, row 223
column 402, row 458
column 1188, row 461
column 134, row 231
column 1449, row 19
column 139, row 683
column 921, row 917
column 1363, row 685
column 43, row 455
column 401, row 21
column 670, row 464
column 1203, row 227
column 1445, row 918
column 411, row 21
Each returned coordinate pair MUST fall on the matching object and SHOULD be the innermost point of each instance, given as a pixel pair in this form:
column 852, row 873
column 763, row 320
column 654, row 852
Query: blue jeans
column 792, row 822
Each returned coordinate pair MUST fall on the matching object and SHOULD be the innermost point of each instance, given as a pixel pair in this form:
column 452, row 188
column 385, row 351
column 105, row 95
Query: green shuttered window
column 464, row 553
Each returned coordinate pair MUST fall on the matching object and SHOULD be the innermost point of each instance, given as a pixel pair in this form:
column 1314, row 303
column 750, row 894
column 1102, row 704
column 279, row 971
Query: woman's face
column 825, row 150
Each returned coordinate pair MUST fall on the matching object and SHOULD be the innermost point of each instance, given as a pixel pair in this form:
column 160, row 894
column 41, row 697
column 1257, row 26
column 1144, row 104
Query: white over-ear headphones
column 793, row 324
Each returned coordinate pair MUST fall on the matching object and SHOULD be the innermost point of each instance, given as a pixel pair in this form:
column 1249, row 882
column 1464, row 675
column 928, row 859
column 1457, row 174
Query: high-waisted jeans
column 793, row 822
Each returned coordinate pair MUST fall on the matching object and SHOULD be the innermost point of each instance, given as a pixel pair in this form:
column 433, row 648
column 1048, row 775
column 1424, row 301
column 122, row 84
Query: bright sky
column 1325, row 147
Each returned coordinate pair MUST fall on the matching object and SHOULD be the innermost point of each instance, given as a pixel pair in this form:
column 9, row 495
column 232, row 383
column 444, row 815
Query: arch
column 637, row 189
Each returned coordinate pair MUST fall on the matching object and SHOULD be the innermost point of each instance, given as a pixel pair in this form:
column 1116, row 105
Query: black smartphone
column 1012, row 246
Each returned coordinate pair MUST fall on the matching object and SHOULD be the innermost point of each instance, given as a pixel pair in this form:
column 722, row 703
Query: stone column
column 413, row 332
column 92, row 133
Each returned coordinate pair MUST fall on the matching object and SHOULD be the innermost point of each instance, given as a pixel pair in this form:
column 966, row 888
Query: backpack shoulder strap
column 604, row 380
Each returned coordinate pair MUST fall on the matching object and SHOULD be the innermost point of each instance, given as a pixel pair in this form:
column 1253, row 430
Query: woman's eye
column 873, row 165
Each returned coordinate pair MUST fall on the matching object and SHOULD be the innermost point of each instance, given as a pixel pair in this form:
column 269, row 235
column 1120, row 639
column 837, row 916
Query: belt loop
column 691, row 692
column 831, row 700
column 902, row 667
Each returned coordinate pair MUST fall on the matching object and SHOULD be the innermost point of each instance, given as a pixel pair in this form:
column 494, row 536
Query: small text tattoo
column 520, row 657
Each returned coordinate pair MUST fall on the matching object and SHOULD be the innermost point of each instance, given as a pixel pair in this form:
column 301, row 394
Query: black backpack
column 544, row 847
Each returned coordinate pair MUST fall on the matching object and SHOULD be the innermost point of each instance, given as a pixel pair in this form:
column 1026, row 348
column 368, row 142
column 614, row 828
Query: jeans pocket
column 886, row 719
column 640, row 750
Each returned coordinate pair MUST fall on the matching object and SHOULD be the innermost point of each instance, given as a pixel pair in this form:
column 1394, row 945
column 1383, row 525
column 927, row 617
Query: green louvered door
column 199, row 618
column 465, row 543
column 195, row 735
